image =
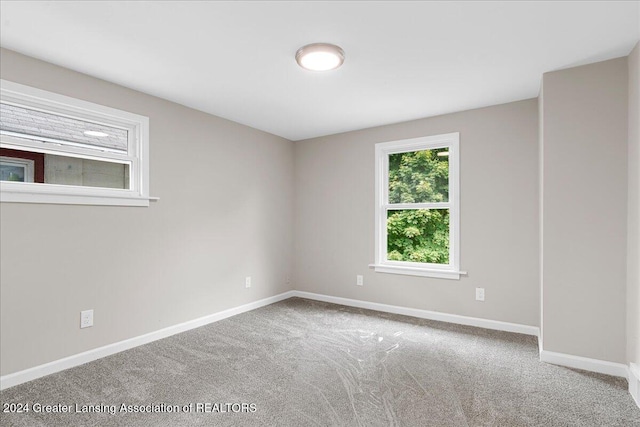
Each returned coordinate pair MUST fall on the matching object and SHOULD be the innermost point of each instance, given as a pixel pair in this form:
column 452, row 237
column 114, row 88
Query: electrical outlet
column 247, row 282
column 479, row 294
column 86, row 319
column 359, row 280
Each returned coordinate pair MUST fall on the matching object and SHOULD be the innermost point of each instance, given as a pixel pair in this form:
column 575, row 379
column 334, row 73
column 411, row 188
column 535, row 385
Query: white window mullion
column 7, row 141
column 403, row 206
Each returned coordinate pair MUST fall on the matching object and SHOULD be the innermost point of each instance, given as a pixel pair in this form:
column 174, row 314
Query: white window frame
column 137, row 155
column 451, row 141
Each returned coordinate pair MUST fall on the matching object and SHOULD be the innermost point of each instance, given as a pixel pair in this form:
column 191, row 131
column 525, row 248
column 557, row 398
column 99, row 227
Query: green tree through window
column 418, row 235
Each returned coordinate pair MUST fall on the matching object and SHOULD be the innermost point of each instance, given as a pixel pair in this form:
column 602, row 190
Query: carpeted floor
column 305, row 363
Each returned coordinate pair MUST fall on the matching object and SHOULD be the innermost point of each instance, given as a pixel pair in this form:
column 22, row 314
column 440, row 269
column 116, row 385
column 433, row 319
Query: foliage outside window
column 57, row 149
column 417, row 214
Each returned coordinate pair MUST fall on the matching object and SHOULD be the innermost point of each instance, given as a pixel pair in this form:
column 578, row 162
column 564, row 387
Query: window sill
column 418, row 271
column 69, row 195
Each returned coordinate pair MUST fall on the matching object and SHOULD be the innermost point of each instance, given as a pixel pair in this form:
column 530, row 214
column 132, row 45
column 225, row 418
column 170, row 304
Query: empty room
column 332, row 213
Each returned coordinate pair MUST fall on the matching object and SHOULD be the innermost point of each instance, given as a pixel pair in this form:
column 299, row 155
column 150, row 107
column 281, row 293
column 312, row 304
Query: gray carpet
column 304, row 363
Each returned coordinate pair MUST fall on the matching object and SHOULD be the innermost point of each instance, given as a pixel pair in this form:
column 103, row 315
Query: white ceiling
column 404, row 60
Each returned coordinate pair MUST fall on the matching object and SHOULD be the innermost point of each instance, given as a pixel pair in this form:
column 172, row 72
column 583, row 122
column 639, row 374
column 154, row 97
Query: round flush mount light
column 95, row 133
column 320, row 57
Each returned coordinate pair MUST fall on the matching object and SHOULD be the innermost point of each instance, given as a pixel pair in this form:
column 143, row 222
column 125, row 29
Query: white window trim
column 137, row 156
column 382, row 265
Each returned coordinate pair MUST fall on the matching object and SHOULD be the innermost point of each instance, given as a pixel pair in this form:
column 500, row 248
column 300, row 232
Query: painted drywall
column 225, row 212
column 334, row 214
column 584, row 213
column 633, row 210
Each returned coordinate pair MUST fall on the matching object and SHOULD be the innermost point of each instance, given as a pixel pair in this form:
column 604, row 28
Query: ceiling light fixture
column 320, row 57
column 95, row 133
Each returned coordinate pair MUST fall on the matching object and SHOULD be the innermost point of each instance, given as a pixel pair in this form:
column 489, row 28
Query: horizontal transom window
column 57, row 149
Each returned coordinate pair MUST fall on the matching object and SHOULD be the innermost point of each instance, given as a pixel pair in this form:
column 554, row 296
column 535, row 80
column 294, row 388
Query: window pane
column 85, row 172
column 37, row 125
column 24, row 166
column 419, row 176
column 418, row 235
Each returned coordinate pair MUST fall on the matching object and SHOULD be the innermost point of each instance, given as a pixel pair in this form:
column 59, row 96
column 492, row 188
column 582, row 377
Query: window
column 417, row 207
column 56, row 149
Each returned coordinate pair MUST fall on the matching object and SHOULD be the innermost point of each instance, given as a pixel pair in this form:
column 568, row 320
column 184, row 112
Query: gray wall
column 633, row 218
column 225, row 213
column 584, row 210
column 228, row 210
column 334, row 213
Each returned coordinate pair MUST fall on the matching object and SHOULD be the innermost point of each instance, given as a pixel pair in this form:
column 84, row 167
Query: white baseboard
column 540, row 342
column 615, row 369
column 634, row 382
column 585, row 363
column 424, row 314
column 20, row 377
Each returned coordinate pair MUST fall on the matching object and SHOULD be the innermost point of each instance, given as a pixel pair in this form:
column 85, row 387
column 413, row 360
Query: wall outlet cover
column 86, row 319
